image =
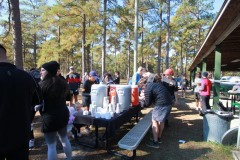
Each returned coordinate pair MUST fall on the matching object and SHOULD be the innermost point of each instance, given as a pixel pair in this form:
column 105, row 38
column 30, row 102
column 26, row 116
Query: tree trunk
column 104, row 35
column 168, row 34
column 181, row 60
column 159, row 68
column 88, row 57
column 83, row 44
column 17, row 33
column 88, row 60
column 115, row 56
column 129, row 47
column 35, row 49
column 142, row 42
column 135, row 37
column 159, row 54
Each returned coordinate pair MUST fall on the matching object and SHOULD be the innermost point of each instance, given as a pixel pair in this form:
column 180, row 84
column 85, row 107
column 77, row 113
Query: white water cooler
column 98, row 92
column 123, row 96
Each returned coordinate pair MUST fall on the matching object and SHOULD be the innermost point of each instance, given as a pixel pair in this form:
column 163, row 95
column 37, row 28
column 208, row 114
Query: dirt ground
column 184, row 124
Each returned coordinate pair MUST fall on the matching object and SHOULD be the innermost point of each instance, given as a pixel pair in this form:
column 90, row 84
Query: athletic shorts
column 197, row 95
column 86, row 101
column 161, row 113
column 74, row 92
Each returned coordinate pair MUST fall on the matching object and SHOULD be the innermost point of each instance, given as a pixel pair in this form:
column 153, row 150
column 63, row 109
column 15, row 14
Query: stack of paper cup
column 118, row 108
column 105, row 102
column 113, row 102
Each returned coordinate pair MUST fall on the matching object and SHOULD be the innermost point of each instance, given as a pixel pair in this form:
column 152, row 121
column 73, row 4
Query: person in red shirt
column 205, row 91
column 74, row 82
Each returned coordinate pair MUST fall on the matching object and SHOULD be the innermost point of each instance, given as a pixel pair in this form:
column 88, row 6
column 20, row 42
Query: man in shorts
column 171, row 84
column 197, row 84
column 74, row 82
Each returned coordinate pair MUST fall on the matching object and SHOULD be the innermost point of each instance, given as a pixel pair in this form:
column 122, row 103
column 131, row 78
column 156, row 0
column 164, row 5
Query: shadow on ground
column 184, row 124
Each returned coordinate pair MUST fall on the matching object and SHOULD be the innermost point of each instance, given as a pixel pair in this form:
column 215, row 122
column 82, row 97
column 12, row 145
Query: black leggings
column 205, row 102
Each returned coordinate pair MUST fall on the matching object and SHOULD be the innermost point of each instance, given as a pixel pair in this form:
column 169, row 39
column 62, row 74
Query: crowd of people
column 47, row 91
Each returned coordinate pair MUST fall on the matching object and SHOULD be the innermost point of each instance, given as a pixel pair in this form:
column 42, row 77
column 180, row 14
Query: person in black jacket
column 37, row 77
column 54, row 112
column 117, row 78
column 157, row 95
column 18, row 94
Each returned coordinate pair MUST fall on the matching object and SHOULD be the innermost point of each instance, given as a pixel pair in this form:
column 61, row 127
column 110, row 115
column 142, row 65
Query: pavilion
column 220, row 50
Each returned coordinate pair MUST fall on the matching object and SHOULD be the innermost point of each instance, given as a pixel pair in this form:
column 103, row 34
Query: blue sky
column 217, row 5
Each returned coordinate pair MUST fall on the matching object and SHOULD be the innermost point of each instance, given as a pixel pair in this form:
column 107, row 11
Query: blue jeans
column 205, row 102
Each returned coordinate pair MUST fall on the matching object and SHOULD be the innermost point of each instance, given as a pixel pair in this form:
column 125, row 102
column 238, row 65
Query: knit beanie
column 52, row 67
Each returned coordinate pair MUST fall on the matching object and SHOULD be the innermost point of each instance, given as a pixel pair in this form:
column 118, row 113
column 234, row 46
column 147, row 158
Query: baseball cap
column 205, row 74
column 169, row 71
column 93, row 74
column 71, row 67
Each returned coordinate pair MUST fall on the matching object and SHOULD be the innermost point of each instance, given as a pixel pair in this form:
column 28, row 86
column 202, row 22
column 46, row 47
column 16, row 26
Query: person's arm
column 148, row 96
column 78, row 80
column 176, row 93
column 37, row 97
column 201, row 87
column 134, row 79
column 176, row 97
column 85, row 88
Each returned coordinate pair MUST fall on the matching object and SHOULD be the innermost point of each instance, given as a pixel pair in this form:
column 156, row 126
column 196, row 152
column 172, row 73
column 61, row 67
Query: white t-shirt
column 197, row 83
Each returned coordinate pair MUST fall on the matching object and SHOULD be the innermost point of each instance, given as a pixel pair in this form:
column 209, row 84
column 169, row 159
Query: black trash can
column 215, row 125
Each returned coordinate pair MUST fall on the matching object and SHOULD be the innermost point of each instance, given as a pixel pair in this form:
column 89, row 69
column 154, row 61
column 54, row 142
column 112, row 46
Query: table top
column 111, row 124
column 233, row 92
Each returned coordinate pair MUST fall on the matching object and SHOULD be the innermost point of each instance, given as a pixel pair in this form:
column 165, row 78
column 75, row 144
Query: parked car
column 225, row 78
column 234, row 79
column 228, row 85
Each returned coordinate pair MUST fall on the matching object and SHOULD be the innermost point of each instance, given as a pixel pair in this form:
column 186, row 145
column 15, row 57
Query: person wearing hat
column 171, row 84
column 205, row 91
column 19, row 93
column 74, row 82
column 86, row 89
column 54, row 112
column 156, row 94
column 86, row 96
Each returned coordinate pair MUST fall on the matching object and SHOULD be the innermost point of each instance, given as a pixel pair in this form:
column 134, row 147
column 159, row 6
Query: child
column 76, row 127
column 72, row 111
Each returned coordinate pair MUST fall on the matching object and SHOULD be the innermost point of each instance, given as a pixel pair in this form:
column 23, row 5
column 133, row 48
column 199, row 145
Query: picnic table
column 234, row 96
column 110, row 125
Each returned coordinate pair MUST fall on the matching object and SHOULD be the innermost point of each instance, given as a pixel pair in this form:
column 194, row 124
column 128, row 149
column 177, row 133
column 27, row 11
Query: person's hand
column 37, row 107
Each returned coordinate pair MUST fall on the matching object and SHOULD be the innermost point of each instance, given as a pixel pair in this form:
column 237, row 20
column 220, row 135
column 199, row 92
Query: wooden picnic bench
column 133, row 138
